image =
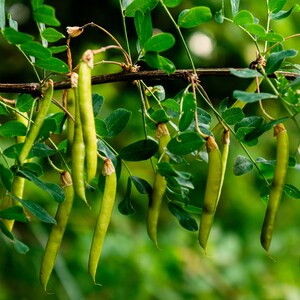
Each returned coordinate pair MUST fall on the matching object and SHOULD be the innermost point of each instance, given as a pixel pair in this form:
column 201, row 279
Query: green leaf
column 142, row 186
column 97, row 103
column 45, row 14
column 58, row 119
column 5, row 231
column 16, row 37
column 188, row 108
column 14, row 151
column 291, row 191
column 203, row 116
column 42, row 150
column 159, row 116
column 185, row 143
column 154, row 60
column 172, row 3
column 13, row 213
column 13, row 128
column 143, row 26
column 171, row 104
column 101, row 128
column 54, row 190
column 3, row 110
column 235, row 6
column 160, row 42
column 58, row 49
column 271, row 37
column 36, row 50
column 219, row 16
column 243, row 17
column 258, row 131
column 6, row 176
column 275, row 6
column 142, row 5
column 20, row 247
column 194, row 16
column 247, row 125
column 125, row 206
column 252, row 97
column 183, row 217
column 52, row 35
column 107, row 152
column 140, row 150
column 53, row 64
column 2, row 14
column 36, row 3
column 256, row 29
column 242, row 165
column 283, row 14
column 36, row 210
column 245, row 73
column 34, row 168
column 117, row 121
column 24, row 102
column 276, row 59
column 233, row 115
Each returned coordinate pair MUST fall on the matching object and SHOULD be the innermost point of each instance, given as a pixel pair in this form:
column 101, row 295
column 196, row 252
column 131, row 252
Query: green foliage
column 189, row 114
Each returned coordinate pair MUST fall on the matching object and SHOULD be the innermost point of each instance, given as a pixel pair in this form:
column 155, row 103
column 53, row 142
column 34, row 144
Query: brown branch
column 182, row 74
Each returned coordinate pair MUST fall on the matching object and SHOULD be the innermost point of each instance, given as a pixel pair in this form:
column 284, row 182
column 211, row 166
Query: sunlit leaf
column 16, row 37
column 243, row 17
column 53, row 64
column 276, row 5
column 52, row 35
column 13, row 128
column 36, row 50
column 160, row 42
column 141, row 5
column 45, row 14
column 194, row 16
column 172, row 3
column 143, row 26
column 154, row 60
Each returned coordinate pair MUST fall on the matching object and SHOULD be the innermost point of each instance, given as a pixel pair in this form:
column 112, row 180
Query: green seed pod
column 159, row 185
column 104, row 217
column 212, row 190
column 35, row 128
column 86, row 113
column 57, row 231
column 282, row 160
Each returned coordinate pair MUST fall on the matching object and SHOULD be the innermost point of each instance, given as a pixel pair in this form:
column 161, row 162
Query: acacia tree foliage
column 190, row 133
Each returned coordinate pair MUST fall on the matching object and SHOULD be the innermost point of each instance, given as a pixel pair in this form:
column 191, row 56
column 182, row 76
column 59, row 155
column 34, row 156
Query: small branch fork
column 180, row 74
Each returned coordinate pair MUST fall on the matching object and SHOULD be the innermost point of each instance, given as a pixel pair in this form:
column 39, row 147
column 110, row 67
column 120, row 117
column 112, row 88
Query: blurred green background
column 236, row 266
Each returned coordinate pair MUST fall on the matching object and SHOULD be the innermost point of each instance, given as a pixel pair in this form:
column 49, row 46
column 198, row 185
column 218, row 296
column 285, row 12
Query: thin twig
column 181, row 74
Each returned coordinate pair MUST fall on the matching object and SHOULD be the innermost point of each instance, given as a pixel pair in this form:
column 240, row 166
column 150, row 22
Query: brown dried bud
column 74, row 31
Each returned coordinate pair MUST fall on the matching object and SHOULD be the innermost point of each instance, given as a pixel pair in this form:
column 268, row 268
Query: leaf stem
column 180, row 34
